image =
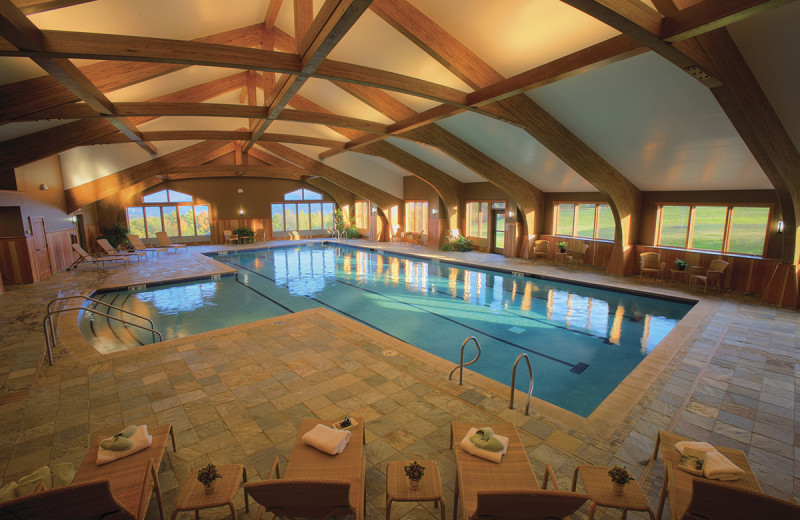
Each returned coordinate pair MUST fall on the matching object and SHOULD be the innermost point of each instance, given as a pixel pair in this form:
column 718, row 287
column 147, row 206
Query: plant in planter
column 414, row 472
column 117, row 235
column 245, row 232
column 208, row 477
column 680, row 265
column 619, row 477
column 562, row 247
column 456, row 243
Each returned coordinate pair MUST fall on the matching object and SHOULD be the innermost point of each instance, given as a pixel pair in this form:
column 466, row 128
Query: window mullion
column 726, row 235
column 690, row 227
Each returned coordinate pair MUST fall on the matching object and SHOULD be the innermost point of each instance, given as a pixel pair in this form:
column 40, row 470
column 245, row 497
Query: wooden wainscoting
column 59, row 245
column 15, row 261
column 596, row 256
column 259, row 225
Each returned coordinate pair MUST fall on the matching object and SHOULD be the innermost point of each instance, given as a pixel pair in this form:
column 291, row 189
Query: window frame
column 289, row 200
column 575, row 217
column 729, row 216
column 411, row 208
column 171, row 205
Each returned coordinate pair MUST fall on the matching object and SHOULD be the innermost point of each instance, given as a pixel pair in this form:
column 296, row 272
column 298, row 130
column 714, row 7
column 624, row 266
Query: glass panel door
column 499, row 235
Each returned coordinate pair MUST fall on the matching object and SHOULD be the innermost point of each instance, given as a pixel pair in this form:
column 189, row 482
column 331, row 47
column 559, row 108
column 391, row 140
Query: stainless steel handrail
column 49, row 331
column 461, row 363
column 101, row 302
column 513, row 380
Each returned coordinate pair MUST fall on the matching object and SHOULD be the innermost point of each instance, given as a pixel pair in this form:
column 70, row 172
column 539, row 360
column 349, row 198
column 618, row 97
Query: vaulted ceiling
column 616, row 96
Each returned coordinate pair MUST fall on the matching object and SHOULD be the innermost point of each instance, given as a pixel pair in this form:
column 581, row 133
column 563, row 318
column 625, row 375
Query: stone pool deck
column 237, row 395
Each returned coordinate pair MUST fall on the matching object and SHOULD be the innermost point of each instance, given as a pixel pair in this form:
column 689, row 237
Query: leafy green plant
column 414, row 471
column 346, row 229
column 562, row 246
column 681, row 264
column 620, row 475
column 117, row 235
column 459, row 243
column 208, row 474
column 245, row 232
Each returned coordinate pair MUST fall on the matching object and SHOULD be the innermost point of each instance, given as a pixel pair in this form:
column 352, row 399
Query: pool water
column 581, row 341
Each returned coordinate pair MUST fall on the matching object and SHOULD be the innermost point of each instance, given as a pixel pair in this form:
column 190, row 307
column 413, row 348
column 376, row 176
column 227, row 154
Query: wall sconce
column 44, row 187
column 510, row 214
column 74, row 219
column 374, row 210
column 780, row 226
column 240, row 191
column 241, row 211
column 434, row 211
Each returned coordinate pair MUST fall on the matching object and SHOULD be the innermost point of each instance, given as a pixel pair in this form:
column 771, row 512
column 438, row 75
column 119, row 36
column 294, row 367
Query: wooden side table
column 193, row 495
column 398, row 490
column 598, row 487
column 677, row 273
column 559, row 255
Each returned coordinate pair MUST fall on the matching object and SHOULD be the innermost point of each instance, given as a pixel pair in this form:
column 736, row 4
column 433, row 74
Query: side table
column 677, row 273
column 598, row 487
column 398, row 490
column 559, row 255
column 193, row 495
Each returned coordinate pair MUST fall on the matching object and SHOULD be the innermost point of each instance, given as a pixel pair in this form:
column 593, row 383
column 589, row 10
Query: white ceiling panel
column 336, row 100
column 438, row 159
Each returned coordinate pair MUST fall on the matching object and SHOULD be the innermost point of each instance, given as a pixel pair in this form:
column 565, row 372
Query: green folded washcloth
column 484, row 439
column 120, row 441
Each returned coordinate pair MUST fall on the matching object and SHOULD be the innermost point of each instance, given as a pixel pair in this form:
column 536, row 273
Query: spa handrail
column 461, row 364
column 108, row 305
column 513, row 380
column 49, row 332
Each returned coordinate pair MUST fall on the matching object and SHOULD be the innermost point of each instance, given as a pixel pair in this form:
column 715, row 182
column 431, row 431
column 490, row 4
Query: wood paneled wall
column 258, row 224
column 59, row 246
column 15, row 262
column 597, row 255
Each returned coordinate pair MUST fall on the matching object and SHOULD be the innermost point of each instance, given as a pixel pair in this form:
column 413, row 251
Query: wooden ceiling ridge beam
column 40, row 6
column 23, row 34
column 43, row 92
column 334, row 19
column 708, row 15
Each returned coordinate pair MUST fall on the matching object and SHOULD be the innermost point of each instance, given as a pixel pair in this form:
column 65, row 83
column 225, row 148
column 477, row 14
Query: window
column 362, row 215
column 728, row 229
column 584, row 220
column 170, row 211
column 477, row 219
column 301, row 215
column 393, row 218
column 417, row 216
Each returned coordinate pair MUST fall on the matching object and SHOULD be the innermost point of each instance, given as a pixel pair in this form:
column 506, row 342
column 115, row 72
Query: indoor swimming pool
column 581, row 341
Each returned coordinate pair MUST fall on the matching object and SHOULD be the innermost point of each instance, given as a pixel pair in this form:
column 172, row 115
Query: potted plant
column 562, row 247
column 245, row 232
column 414, row 472
column 208, row 477
column 117, row 235
column 619, row 477
column 680, row 265
column 456, row 243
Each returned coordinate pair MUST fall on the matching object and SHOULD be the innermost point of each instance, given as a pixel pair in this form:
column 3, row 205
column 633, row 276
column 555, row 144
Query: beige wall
column 35, row 202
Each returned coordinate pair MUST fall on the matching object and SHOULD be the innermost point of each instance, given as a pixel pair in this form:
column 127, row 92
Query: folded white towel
column 717, row 465
column 327, row 439
column 141, row 440
column 494, row 456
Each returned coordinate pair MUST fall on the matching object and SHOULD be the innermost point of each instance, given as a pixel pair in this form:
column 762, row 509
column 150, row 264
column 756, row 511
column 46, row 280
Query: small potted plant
column 208, row 477
column 414, row 472
column 562, row 247
column 619, row 477
column 680, row 265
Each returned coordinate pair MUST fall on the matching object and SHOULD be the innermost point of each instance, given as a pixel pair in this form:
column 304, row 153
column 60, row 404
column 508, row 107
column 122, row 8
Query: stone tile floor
column 237, row 395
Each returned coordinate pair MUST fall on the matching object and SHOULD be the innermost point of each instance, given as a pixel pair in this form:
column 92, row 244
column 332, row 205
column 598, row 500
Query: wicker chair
column 577, row 256
column 88, row 501
column 541, row 248
column 717, row 501
column 651, row 263
column 711, row 275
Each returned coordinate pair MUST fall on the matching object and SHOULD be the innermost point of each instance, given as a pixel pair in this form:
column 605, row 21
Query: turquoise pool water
column 581, row 341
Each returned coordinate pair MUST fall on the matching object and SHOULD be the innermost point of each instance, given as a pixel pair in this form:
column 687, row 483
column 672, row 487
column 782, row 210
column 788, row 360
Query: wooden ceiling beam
column 219, row 135
column 334, row 19
column 32, row 95
column 708, row 15
column 23, row 34
column 40, row 6
column 247, row 170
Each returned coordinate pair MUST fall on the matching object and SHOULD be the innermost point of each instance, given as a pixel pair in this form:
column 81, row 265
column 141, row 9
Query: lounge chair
column 541, row 248
column 83, row 256
column 712, row 500
column 711, row 275
column 315, row 484
column 163, row 241
column 651, row 263
column 110, row 251
column 88, row 501
column 508, row 490
column 132, row 479
column 138, row 245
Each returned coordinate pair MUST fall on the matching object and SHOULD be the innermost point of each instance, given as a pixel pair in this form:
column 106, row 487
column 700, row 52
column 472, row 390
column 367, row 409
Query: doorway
column 498, row 231
column 40, row 244
column 81, row 231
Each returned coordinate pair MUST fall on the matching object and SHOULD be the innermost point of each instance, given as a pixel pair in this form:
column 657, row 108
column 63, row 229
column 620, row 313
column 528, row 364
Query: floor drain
column 390, row 353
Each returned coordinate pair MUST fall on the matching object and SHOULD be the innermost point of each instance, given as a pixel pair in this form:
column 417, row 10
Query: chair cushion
column 8, row 491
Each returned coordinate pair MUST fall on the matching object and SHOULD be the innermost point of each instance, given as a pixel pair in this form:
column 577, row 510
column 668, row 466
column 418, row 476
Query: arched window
column 306, row 214
column 170, row 211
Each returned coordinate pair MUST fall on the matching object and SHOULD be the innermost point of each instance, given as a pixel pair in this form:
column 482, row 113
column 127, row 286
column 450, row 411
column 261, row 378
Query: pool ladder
column 461, row 366
column 49, row 328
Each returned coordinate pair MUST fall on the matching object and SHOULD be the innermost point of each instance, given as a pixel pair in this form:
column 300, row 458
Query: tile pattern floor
column 238, row 395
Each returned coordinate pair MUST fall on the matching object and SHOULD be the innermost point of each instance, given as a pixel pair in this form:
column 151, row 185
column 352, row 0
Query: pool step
column 110, row 335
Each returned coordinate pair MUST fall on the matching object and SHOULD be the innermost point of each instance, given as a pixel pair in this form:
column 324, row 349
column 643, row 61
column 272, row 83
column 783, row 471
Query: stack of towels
column 326, row 439
column 482, row 442
column 127, row 442
column 717, row 465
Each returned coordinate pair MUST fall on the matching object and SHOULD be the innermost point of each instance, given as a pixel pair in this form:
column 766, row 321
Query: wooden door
column 40, row 243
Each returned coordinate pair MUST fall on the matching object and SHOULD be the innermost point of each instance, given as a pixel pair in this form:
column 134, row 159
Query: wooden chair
column 138, row 245
column 485, row 489
column 541, row 248
column 230, row 237
column 83, row 256
column 651, row 263
column 88, row 501
column 164, row 241
column 577, row 256
column 315, row 484
column 712, row 500
column 110, row 251
column 711, row 275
